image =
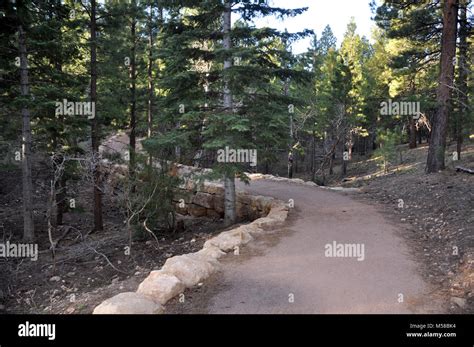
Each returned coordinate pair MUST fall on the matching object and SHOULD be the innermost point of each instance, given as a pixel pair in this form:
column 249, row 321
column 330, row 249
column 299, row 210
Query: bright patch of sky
column 336, row 13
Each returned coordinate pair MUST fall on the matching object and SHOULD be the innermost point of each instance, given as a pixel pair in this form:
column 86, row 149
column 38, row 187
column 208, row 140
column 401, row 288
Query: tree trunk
column 436, row 152
column 150, row 76
column 60, row 187
column 98, row 222
column 133, row 101
column 412, row 127
column 331, row 164
column 313, row 157
column 229, row 179
column 462, row 75
column 290, row 168
column 229, row 202
column 27, row 183
column 61, row 195
column 344, row 162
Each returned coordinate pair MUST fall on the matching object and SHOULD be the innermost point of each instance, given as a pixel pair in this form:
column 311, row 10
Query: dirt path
column 288, row 272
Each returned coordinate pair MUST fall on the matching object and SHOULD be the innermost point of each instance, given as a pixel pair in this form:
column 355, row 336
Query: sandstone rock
column 256, row 176
column 213, row 188
column 228, row 240
column 266, row 223
column 244, row 198
column 211, row 252
column 311, row 184
column 241, row 210
column 298, row 180
column 189, row 270
column 279, row 215
column 213, row 214
column 254, row 214
column 196, row 211
column 279, row 206
column 218, row 203
column 206, row 258
column 204, row 200
column 459, row 301
column 161, row 286
column 262, row 203
column 252, row 230
column 129, row 303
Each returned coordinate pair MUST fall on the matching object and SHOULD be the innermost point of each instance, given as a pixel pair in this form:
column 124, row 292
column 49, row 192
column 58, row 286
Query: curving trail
column 288, row 272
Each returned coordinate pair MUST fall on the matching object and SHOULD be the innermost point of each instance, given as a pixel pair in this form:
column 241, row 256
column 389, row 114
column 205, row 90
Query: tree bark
column 61, row 196
column 98, row 221
column 344, row 162
column 436, row 152
column 133, row 99
column 229, row 178
column 412, row 127
column 462, row 75
column 313, row 156
column 150, row 72
column 27, row 183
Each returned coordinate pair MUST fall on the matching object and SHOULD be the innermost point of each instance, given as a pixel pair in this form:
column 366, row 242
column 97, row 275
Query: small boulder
column 211, row 252
column 253, row 230
column 266, row 223
column 461, row 302
column 129, row 303
column 228, row 240
column 189, row 270
column 203, row 200
column 213, row 188
column 161, row 286
column 197, row 211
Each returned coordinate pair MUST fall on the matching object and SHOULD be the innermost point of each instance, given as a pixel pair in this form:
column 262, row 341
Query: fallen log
column 464, row 169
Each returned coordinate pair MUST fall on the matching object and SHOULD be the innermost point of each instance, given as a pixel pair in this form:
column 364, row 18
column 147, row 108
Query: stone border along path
column 188, row 270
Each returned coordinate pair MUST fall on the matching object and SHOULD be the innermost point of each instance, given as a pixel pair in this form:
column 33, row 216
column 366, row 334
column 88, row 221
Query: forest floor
column 87, row 268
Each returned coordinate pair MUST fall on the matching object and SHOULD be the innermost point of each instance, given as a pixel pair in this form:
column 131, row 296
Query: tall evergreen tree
column 436, row 153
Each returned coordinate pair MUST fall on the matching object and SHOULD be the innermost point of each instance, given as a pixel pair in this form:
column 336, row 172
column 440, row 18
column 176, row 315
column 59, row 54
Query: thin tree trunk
column 313, row 157
column 133, row 101
column 331, row 165
column 150, row 76
column 411, row 120
column 350, row 144
column 290, row 166
column 229, row 202
column 61, row 194
column 98, row 221
column 27, row 183
column 412, row 127
column 344, row 162
column 229, row 179
column 436, row 152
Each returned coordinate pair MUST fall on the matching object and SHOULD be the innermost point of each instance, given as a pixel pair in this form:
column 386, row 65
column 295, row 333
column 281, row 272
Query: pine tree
column 95, row 135
column 436, row 153
column 27, row 185
column 223, row 80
